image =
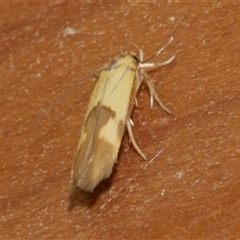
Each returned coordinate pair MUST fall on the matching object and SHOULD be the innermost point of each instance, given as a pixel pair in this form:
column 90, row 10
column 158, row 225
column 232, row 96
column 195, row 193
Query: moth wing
column 111, row 103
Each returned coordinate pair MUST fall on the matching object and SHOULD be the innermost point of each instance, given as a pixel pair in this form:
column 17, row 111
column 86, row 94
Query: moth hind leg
column 154, row 94
column 132, row 140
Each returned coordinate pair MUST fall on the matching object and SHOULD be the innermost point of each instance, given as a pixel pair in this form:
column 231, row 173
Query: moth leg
column 95, row 74
column 154, row 94
column 140, row 51
column 132, row 140
column 139, row 77
column 136, row 102
column 155, row 65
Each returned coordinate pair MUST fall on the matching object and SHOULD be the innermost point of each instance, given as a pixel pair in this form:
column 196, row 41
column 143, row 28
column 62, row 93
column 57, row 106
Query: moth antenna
column 63, row 95
column 169, row 40
column 162, row 48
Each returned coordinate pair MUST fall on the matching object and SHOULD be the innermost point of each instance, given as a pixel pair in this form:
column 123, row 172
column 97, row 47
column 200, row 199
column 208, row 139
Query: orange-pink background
column 190, row 190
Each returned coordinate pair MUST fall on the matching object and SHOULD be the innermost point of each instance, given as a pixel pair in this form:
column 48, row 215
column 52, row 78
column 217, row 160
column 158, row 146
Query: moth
column 108, row 115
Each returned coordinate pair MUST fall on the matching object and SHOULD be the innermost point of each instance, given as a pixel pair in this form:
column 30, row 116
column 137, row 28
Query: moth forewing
column 110, row 106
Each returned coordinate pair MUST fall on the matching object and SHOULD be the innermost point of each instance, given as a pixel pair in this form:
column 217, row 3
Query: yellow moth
column 107, row 117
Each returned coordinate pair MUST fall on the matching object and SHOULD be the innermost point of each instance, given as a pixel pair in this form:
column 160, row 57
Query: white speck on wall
column 69, row 31
column 172, row 18
column 179, row 175
column 163, row 192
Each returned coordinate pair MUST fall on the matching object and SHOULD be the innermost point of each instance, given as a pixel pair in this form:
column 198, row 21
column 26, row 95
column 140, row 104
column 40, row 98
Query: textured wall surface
column 189, row 185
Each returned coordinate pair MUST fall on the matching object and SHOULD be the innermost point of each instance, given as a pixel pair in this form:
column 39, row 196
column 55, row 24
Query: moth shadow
column 88, row 199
